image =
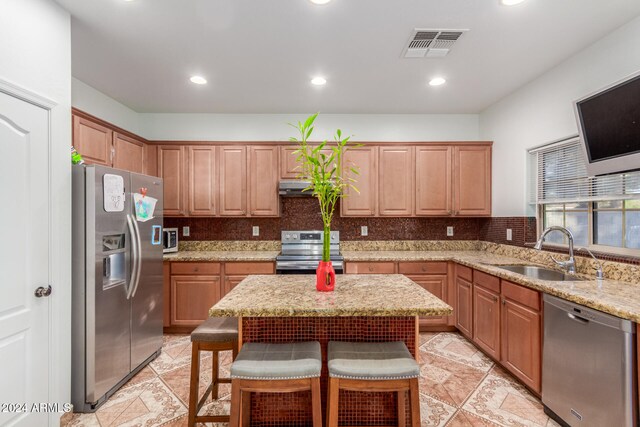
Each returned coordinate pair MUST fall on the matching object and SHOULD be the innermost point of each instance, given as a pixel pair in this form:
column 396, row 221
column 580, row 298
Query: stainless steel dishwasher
column 588, row 366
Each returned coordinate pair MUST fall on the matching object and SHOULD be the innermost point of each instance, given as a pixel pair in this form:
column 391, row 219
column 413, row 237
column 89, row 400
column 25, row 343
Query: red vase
column 325, row 277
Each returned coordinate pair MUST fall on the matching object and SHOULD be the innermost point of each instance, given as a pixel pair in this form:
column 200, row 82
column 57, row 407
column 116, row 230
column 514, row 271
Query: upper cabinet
column 203, row 180
column 127, row 153
column 233, row 180
column 433, row 180
column 93, row 141
column 396, row 181
column 263, row 181
column 364, row 201
column 171, row 168
column 288, row 162
column 472, row 180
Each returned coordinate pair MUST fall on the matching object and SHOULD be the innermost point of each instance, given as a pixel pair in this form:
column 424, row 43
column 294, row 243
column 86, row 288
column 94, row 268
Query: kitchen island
column 363, row 308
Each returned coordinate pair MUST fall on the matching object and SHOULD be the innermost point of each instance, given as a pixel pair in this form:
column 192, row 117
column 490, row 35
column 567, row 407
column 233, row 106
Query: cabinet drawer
column 244, row 268
column 195, row 268
column 422, row 268
column 486, row 281
column 525, row 296
column 464, row 272
column 370, row 268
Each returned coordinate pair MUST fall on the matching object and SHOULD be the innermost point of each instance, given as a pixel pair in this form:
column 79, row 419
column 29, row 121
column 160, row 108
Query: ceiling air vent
column 431, row 43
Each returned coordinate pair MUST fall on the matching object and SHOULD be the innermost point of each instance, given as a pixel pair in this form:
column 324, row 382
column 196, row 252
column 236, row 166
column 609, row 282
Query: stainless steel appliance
column 170, row 240
column 588, row 369
column 294, row 188
column 302, row 250
column 117, row 281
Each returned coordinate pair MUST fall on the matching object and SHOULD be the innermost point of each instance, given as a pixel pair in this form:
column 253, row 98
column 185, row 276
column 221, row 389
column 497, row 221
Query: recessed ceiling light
column 199, row 80
column 318, row 81
column 437, row 81
column 320, row 1
column 510, row 2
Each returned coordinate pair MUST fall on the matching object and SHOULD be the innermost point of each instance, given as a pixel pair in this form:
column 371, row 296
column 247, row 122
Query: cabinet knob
column 504, row 301
column 424, row 268
column 370, row 268
column 196, row 269
column 495, row 299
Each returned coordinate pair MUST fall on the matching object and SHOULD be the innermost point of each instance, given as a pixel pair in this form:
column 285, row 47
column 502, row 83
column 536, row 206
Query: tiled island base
column 356, row 408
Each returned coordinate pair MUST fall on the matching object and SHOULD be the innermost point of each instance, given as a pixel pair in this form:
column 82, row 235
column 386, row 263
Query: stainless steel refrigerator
column 117, row 280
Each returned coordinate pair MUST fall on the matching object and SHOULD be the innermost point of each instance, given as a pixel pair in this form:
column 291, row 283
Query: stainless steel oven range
column 302, row 250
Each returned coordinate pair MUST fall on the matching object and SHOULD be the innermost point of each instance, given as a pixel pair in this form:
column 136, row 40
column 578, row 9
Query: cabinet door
column 171, row 165
column 192, row 297
column 203, row 180
column 486, row 321
column 521, row 342
column 437, row 285
column 93, row 141
column 364, row 202
column 150, row 159
column 127, row 153
column 263, row 181
column 166, row 294
column 396, row 180
column 233, row 180
column 464, row 307
column 288, row 165
column 433, row 181
column 472, row 181
column 231, row 282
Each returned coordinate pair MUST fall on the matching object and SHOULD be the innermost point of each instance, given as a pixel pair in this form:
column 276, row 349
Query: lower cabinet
column 190, row 289
column 486, row 313
column 432, row 276
column 464, row 301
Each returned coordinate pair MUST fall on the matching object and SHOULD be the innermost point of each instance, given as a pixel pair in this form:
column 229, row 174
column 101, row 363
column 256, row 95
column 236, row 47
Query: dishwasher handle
column 577, row 318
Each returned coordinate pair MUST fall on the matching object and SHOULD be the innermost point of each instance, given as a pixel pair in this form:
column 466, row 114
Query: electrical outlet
column 449, row 231
column 509, row 234
column 364, row 230
column 185, row 231
column 256, row 231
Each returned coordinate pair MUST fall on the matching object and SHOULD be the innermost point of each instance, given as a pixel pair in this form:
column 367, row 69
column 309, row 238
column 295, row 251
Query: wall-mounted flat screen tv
column 609, row 126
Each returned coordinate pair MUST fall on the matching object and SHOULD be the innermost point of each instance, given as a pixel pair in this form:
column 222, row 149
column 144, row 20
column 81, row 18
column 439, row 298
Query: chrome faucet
column 570, row 264
column 598, row 269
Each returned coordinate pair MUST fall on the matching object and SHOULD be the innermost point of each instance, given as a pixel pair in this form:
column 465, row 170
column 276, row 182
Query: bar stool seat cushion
column 371, row 361
column 262, row 361
column 216, row 329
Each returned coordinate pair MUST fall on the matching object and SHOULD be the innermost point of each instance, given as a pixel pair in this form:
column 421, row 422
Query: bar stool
column 275, row 368
column 215, row 334
column 373, row 367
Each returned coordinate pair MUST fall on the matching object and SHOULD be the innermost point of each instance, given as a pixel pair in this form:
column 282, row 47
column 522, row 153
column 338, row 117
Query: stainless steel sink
column 540, row 273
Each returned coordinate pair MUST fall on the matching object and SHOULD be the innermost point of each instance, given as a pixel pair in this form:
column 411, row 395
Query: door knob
column 43, row 292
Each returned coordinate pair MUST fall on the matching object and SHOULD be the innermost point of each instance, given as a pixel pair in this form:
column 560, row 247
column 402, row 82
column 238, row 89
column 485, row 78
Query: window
column 600, row 211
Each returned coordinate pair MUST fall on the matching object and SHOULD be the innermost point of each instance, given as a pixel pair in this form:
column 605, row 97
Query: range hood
column 293, row 188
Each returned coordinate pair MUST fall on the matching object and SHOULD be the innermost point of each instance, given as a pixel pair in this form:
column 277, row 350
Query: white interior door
column 24, row 260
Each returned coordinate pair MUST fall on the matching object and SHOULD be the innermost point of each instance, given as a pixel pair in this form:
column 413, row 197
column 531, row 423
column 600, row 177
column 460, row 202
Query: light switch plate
column 364, row 230
column 509, row 234
column 256, row 231
column 185, row 231
column 449, row 231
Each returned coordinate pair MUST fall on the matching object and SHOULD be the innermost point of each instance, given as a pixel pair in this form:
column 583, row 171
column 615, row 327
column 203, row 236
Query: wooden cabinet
column 236, row 272
column 396, row 181
column 370, row 268
column 127, row 153
column 289, row 168
column 364, row 202
column 203, row 180
column 93, row 141
column 486, row 313
column 433, row 181
column 464, row 301
column 171, row 168
column 150, row 160
column 166, row 293
column 233, row 180
column 472, row 180
column 192, row 297
column 522, row 334
column 432, row 276
column 263, row 181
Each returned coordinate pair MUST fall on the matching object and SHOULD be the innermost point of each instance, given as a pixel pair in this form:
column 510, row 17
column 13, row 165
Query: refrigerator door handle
column 139, row 260
column 135, row 256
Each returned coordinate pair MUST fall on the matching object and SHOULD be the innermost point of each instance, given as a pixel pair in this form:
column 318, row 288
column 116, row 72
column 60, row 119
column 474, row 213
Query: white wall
column 542, row 111
column 35, row 55
column 273, row 127
column 92, row 101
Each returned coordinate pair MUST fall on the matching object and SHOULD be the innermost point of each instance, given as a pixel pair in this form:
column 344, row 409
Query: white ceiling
column 259, row 55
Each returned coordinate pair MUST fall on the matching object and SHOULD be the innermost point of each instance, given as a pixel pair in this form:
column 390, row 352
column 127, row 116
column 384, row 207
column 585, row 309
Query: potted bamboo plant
column 327, row 182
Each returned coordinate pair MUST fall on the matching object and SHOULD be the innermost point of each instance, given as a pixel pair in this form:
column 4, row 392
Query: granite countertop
column 222, row 255
column 610, row 296
column 354, row 295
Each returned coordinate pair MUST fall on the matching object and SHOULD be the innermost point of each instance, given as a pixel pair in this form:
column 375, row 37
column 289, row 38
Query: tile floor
column 459, row 386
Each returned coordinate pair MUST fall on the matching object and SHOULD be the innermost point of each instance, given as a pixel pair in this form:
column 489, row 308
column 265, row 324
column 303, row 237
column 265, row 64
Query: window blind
column 562, row 177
